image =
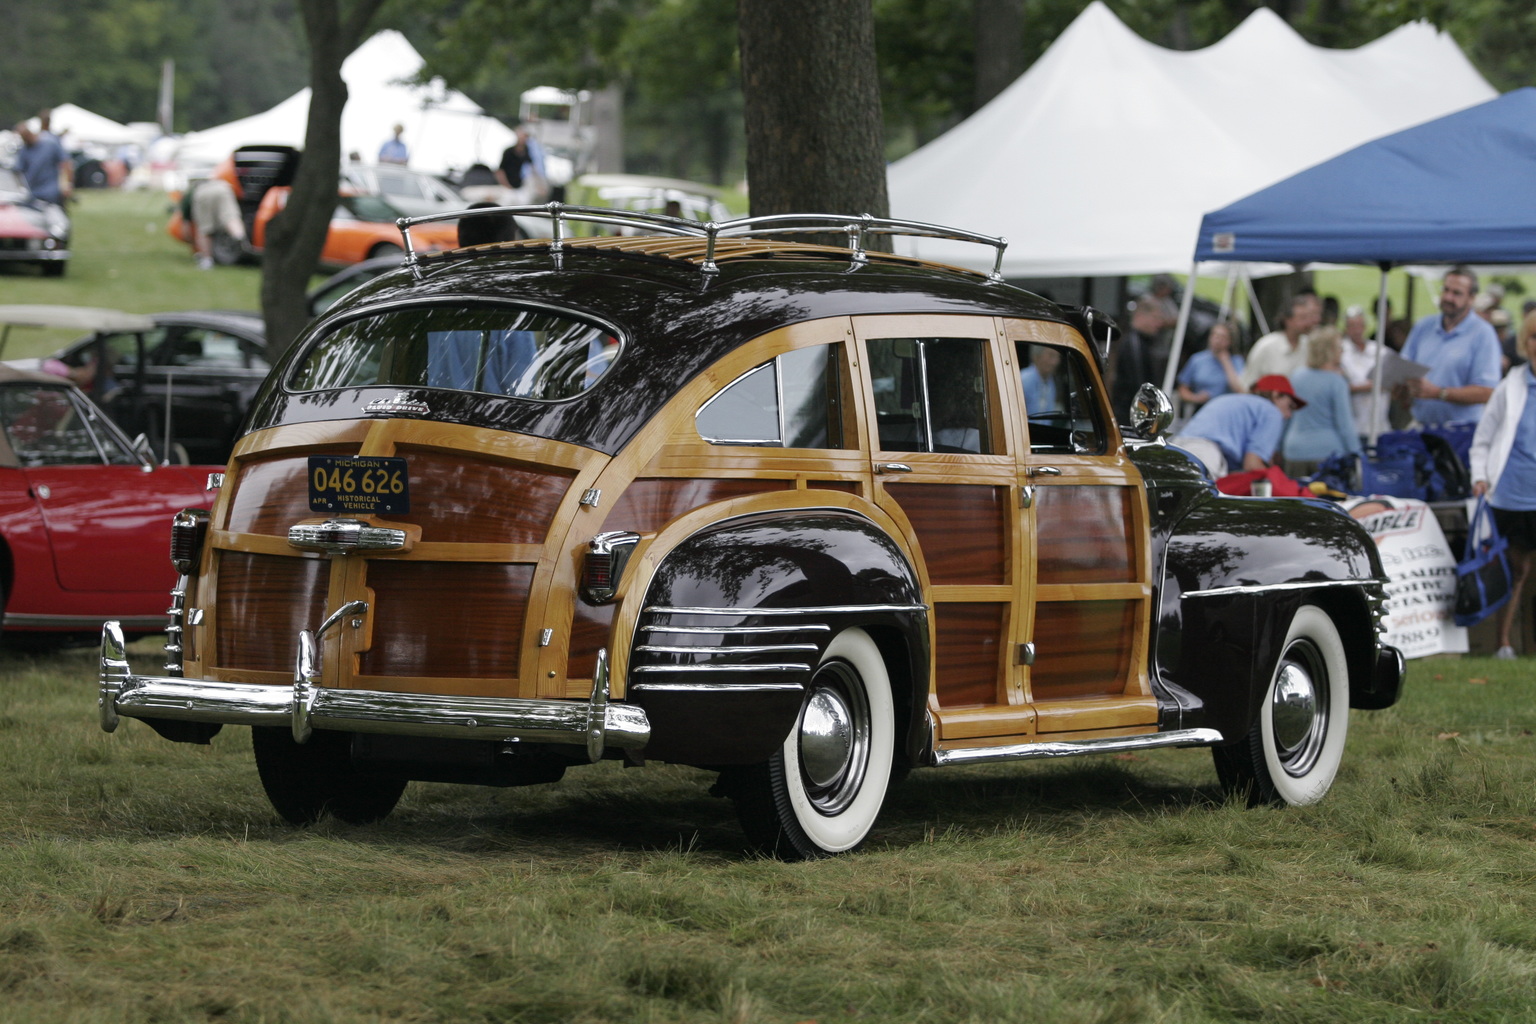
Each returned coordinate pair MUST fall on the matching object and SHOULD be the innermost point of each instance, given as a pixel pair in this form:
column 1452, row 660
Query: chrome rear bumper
column 595, row 723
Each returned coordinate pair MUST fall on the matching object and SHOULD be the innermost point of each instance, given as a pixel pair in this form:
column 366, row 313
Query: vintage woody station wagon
column 777, row 509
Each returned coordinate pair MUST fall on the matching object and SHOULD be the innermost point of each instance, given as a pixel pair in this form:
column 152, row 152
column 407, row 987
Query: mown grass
column 123, row 259
column 146, row 881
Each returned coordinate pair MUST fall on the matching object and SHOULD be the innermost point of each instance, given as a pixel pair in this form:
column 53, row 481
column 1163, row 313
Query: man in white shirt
column 1284, row 351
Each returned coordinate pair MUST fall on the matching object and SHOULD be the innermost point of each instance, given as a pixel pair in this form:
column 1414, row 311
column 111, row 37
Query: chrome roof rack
column 858, row 229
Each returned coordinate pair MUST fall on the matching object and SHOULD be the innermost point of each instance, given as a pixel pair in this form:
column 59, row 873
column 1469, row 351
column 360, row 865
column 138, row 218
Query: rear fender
column 737, row 615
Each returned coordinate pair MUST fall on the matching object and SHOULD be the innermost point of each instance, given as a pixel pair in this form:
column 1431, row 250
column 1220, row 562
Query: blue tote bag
column 1482, row 576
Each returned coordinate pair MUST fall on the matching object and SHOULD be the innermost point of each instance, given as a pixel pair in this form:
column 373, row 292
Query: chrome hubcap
column 1298, row 712
column 826, row 737
column 834, row 738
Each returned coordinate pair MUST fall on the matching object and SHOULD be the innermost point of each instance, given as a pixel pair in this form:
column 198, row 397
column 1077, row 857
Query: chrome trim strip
column 727, row 649
column 824, row 609
column 1072, row 748
column 402, row 714
column 777, row 667
column 1259, row 588
column 89, row 623
column 814, row 627
column 722, row 687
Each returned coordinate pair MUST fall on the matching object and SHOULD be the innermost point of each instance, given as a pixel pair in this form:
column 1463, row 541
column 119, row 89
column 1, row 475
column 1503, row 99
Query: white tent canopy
column 444, row 130
column 81, row 127
column 1101, row 159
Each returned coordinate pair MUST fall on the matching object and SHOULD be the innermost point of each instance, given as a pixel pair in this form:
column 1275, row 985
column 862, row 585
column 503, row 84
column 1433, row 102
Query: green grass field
column 123, row 259
column 146, row 881
column 143, row 881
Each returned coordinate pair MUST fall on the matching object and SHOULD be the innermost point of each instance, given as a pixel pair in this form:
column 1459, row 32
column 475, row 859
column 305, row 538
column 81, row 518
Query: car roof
column 79, row 318
column 676, row 319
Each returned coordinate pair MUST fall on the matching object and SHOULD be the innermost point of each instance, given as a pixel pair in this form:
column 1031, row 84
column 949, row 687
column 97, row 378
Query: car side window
column 1059, row 400
column 792, row 401
column 931, row 394
column 196, row 346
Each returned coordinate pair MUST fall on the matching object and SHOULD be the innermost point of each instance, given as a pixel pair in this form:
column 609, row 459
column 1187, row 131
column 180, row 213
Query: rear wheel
column 1293, row 750
column 385, row 249
column 822, row 790
column 305, row 780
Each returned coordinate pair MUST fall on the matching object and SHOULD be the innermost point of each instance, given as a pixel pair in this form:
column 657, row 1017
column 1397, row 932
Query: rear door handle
column 892, row 467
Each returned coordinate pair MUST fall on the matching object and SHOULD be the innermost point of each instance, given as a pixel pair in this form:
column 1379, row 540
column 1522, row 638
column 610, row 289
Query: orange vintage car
column 362, row 226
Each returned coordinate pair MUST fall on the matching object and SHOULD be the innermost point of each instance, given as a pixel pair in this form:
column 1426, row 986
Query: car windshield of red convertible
column 495, row 350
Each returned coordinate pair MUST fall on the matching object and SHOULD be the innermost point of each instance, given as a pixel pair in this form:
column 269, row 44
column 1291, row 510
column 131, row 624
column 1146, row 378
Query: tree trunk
column 999, row 47
column 812, row 93
column 296, row 235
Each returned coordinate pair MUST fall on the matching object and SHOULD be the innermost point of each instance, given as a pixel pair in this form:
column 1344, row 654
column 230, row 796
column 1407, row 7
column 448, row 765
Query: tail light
column 603, row 567
column 188, row 529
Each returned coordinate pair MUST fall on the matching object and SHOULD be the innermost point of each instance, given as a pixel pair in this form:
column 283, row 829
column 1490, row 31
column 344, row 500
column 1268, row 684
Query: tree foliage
column 233, row 57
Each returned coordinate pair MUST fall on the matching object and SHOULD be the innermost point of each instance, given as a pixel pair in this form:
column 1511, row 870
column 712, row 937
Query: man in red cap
column 1240, row 432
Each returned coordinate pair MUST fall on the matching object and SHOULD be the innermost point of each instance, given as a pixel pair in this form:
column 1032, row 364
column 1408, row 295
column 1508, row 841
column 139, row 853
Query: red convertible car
column 82, row 515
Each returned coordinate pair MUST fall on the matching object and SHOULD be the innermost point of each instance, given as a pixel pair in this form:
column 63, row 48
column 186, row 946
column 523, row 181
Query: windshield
column 371, row 208
column 495, row 350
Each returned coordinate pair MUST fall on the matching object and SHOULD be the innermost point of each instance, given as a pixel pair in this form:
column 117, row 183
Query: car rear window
column 495, row 350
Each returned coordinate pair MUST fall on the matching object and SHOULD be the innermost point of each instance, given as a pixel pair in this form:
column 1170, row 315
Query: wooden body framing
column 483, row 598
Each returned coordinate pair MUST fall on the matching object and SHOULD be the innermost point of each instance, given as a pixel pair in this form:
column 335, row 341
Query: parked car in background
column 640, row 193
column 363, row 227
column 412, row 193
column 370, row 200
column 209, row 363
column 775, row 509
column 82, row 516
column 31, row 232
column 326, row 294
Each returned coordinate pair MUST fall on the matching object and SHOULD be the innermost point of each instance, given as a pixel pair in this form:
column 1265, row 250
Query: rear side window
column 792, row 401
column 517, row 353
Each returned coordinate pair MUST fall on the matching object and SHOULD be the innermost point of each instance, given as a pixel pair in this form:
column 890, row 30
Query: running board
column 1063, row 748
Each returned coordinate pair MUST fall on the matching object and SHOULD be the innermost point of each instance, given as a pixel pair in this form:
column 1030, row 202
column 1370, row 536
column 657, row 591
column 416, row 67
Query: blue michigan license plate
column 359, row 484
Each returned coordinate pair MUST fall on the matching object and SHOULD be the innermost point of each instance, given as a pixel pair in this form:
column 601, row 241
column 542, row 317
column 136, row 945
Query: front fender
column 1235, row 571
column 737, row 615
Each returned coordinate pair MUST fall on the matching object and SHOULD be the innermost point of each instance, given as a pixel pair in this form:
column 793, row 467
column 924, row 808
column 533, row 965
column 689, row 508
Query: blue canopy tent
column 1457, row 189
column 1453, row 190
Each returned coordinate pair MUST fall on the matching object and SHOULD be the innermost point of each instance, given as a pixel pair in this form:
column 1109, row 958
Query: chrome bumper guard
column 305, row 706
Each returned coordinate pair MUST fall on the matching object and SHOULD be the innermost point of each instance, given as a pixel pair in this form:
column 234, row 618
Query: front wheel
column 821, row 792
column 1293, row 750
column 305, row 780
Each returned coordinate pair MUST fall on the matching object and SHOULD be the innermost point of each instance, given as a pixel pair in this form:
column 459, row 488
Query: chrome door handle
column 1041, row 471
column 892, row 467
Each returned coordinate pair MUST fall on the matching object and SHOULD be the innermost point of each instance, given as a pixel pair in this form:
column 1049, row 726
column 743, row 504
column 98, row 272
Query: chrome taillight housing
column 603, row 567
column 188, row 529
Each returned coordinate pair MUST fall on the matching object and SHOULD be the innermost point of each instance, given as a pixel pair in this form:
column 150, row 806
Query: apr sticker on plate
column 358, row 484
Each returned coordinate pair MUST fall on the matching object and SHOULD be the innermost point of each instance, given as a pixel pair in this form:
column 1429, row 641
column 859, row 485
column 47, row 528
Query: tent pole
column 1226, row 295
column 1381, row 349
column 1253, row 303
column 1172, row 373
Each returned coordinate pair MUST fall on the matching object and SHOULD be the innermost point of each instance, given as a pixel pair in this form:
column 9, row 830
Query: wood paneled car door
column 943, row 449
column 1091, row 557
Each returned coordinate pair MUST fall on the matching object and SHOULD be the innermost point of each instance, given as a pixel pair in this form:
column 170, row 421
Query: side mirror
column 142, row 449
column 1151, row 413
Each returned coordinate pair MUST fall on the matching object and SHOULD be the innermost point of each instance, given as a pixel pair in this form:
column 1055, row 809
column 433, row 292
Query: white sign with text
column 1421, row 570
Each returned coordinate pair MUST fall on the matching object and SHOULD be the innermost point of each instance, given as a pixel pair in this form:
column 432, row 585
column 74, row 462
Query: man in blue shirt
column 393, row 151
column 43, row 164
column 1463, row 355
column 1233, row 432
